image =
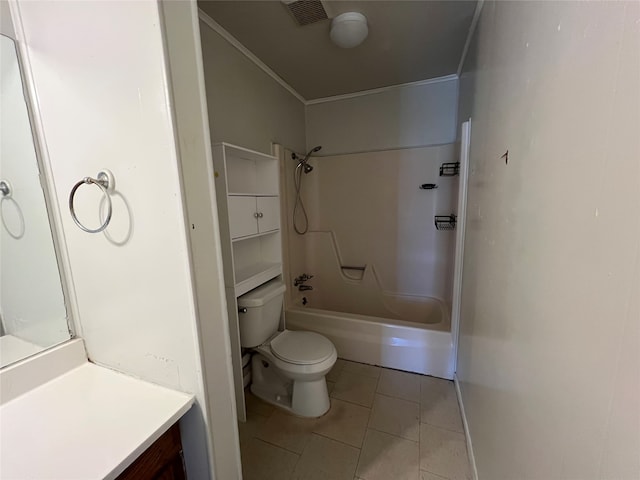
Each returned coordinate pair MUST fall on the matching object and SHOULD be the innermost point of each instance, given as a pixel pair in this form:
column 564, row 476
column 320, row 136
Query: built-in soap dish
column 353, row 272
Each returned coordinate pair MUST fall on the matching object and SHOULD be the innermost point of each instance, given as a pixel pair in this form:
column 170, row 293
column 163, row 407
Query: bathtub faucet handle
column 301, row 279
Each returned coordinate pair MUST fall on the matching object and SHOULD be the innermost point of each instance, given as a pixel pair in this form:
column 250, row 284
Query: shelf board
column 250, row 277
column 255, row 235
column 252, row 194
column 245, row 152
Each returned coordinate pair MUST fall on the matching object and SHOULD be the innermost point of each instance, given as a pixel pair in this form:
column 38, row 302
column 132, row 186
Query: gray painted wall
column 246, row 106
column 409, row 116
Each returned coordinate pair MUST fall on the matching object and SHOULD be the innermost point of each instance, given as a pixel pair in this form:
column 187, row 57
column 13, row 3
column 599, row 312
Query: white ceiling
column 408, row 41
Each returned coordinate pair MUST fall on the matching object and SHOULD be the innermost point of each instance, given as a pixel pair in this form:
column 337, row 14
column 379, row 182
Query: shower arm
column 295, row 156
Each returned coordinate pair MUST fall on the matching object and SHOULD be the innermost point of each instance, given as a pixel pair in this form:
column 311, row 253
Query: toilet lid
column 303, row 348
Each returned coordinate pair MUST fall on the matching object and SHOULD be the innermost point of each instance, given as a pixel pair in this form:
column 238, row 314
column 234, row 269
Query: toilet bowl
column 301, row 359
column 288, row 367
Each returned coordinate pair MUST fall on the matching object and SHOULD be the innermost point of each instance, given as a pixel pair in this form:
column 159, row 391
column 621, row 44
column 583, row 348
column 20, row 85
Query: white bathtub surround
column 376, row 256
column 367, row 209
column 88, row 423
column 349, row 290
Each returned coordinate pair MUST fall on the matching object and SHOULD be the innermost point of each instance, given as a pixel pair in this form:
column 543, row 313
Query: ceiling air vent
column 306, row 11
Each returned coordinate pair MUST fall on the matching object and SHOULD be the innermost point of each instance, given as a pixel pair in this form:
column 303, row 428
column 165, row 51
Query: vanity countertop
column 89, row 423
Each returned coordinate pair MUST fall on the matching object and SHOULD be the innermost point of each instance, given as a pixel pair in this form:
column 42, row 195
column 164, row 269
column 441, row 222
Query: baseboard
column 472, row 458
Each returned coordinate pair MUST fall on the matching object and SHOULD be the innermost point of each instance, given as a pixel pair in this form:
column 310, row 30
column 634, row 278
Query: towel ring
column 106, row 183
column 6, row 195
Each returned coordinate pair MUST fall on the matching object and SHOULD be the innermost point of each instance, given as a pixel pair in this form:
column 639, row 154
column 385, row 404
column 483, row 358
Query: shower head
column 295, row 156
column 309, row 153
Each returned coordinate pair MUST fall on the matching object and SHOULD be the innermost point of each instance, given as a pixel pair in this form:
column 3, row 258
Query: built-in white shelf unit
column 247, row 193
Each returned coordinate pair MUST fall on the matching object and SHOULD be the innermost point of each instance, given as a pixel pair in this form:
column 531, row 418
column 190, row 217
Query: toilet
column 288, row 367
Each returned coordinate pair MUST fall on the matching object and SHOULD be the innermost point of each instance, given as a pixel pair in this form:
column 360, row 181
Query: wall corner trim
column 220, row 30
column 472, row 29
column 373, row 91
column 467, row 435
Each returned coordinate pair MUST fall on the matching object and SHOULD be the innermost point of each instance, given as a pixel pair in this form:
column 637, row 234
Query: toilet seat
column 301, row 348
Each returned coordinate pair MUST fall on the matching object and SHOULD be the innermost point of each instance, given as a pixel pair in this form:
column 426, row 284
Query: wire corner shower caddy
column 450, row 169
column 445, row 222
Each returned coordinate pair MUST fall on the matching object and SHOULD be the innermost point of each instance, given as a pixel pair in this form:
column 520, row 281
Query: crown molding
column 472, row 29
column 373, row 91
column 220, row 30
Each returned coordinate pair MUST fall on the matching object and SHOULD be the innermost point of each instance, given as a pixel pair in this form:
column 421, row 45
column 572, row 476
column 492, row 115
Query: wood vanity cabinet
column 161, row 461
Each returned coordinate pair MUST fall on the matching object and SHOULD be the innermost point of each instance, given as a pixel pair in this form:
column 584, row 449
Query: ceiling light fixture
column 349, row 29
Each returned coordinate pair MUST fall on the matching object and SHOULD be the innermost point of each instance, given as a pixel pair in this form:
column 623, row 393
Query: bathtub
column 411, row 334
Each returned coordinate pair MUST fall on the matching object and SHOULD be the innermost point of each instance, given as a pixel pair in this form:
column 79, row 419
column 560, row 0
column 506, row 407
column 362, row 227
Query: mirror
column 33, row 314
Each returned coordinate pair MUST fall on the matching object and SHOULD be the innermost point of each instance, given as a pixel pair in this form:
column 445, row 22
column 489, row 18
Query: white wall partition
column 193, row 143
column 104, row 103
column 548, row 357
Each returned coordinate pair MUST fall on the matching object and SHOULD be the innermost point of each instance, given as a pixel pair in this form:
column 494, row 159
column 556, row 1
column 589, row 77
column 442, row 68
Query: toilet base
column 310, row 399
column 301, row 398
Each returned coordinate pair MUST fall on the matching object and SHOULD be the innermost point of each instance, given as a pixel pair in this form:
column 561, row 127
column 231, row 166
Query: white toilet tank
column 261, row 320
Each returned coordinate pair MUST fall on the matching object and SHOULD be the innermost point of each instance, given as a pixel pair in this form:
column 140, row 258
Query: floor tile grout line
column 398, row 398
column 299, row 460
column 355, row 474
column 335, row 440
column 356, row 374
column 364, row 437
column 396, row 436
column 352, row 403
column 432, row 473
column 279, row 446
column 377, row 430
column 307, row 445
column 367, row 426
column 441, row 428
column 361, row 374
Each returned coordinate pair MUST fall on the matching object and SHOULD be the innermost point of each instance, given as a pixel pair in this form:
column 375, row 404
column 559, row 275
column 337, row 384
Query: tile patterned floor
column 383, row 425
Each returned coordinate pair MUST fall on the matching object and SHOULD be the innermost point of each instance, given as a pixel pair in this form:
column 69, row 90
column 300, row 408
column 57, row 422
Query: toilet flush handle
column 242, row 309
